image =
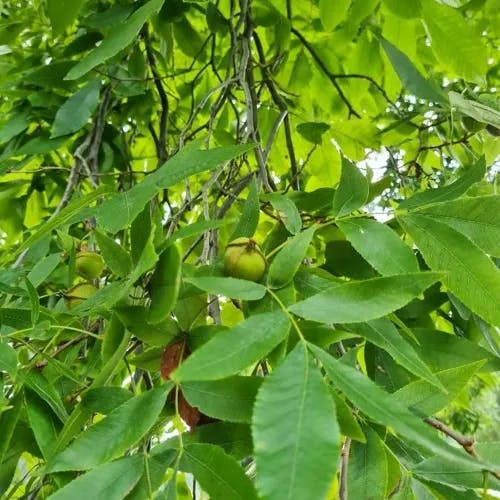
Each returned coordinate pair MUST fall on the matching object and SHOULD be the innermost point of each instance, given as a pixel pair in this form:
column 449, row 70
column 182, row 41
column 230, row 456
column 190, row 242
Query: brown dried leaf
column 171, row 358
column 188, row 413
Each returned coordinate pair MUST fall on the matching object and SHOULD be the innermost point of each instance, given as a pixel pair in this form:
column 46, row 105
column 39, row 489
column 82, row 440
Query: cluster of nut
column 89, row 265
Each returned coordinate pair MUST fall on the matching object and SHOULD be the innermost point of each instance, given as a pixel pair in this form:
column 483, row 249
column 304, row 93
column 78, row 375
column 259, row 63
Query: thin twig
column 344, row 467
column 467, row 442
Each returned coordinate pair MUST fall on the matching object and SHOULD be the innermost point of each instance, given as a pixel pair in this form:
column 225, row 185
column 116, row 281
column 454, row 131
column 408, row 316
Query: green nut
column 78, row 294
column 89, row 265
column 244, row 259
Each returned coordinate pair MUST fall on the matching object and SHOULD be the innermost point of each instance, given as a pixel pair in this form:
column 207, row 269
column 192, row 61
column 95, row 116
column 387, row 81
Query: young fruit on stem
column 89, row 265
column 244, row 259
column 78, row 294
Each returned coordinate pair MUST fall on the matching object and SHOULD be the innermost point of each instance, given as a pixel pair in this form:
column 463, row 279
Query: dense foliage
column 355, row 143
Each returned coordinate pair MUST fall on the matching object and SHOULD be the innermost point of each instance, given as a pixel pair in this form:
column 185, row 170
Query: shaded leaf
column 352, row 192
column 120, row 37
column 77, row 110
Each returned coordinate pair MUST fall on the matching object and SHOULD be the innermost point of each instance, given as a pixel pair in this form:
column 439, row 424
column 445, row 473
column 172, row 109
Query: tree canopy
column 249, row 249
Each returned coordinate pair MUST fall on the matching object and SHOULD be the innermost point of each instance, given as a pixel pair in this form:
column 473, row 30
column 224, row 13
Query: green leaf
column 442, row 351
column 220, row 475
column 140, row 233
column 75, row 211
column 165, row 284
column 410, row 77
column 230, row 399
column 471, row 276
column 475, row 109
column 8, row 359
column 472, row 217
column 112, row 481
column 249, row 217
column 62, row 13
column 451, row 35
column 34, row 301
column 233, row 288
column 120, row 210
column 40, row 145
column 287, row 211
column 43, row 268
column 191, row 230
column 105, row 399
column 111, row 437
column 8, row 422
column 426, row 400
column 120, row 37
column 135, row 319
column 288, row 260
column 364, row 300
column 113, row 337
column 348, row 423
column 114, row 255
column 234, row 439
column 333, row 13
column 39, row 384
column 474, row 174
column 381, row 407
column 379, row 245
column 313, row 131
column 14, row 126
column 352, row 192
column 41, row 421
column 232, row 350
column 295, row 431
column 449, row 472
column 384, row 334
column 75, row 113
column 368, row 468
